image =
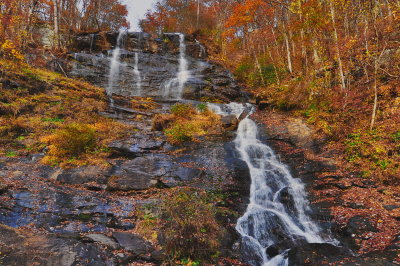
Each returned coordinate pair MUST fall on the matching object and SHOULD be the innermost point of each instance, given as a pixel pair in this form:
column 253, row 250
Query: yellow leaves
column 351, row 43
column 187, row 124
column 9, row 50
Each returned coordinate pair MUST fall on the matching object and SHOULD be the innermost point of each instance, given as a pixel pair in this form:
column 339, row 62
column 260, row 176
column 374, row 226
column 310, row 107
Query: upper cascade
column 172, row 66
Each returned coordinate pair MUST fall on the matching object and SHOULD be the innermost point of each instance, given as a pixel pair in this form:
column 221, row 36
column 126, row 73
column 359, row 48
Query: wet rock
column 131, row 150
column 158, row 64
column 137, row 245
column 187, row 174
column 281, row 246
column 137, row 174
column 18, row 247
column 134, row 180
column 358, row 225
column 229, row 122
column 315, row 253
column 82, row 175
column 391, row 207
column 240, row 167
column 104, row 240
column 158, row 255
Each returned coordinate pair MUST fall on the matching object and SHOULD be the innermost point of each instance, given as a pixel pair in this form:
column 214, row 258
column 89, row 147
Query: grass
column 186, row 220
column 40, row 108
column 187, row 123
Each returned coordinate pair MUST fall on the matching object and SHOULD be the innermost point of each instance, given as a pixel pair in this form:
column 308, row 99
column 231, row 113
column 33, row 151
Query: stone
column 229, row 122
column 158, row 255
column 138, row 174
column 104, row 240
column 158, row 65
column 137, row 245
column 81, row 175
column 187, row 174
column 315, row 254
column 358, row 225
column 391, row 207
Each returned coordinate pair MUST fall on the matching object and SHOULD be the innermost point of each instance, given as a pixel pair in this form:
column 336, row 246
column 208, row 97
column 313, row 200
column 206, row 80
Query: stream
column 277, row 216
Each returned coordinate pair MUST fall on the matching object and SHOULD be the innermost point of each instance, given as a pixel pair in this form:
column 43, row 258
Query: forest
column 169, row 125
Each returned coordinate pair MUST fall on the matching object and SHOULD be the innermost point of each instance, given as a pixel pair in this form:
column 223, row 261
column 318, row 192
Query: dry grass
column 36, row 105
column 187, row 123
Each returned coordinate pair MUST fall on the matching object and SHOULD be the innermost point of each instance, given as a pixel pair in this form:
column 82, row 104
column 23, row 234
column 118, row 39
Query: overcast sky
column 137, row 9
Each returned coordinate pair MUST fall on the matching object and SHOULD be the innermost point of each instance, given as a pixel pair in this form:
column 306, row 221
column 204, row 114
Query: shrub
column 9, row 50
column 72, row 140
column 202, row 107
column 182, row 110
column 179, row 133
column 186, row 123
column 396, row 136
column 13, row 127
column 161, row 122
column 190, row 228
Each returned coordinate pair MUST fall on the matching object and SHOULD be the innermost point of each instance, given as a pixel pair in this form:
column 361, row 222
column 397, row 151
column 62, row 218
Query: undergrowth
column 39, row 108
column 186, row 224
column 187, row 123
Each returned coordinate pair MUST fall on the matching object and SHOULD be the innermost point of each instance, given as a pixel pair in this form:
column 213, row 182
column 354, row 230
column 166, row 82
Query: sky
column 137, row 9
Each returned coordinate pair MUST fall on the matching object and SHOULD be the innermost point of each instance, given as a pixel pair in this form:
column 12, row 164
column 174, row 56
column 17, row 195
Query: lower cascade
column 276, row 218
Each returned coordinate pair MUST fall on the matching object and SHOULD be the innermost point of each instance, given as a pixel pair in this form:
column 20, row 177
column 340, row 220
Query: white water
column 202, row 49
column 115, row 65
column 136, row 72
column 182, row 76
column 278, row 206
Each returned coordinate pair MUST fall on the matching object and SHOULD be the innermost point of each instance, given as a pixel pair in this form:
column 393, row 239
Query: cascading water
column 202, row 51
column 276, row 217
column 138, row 78
column 182, row 76
column 115, row 64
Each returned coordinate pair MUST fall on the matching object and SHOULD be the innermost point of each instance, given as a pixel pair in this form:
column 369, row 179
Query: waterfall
column 175, row 86
column 276, row 218
column 115, row 64
column 138, row 78
column 183, row 74
column 202, row 51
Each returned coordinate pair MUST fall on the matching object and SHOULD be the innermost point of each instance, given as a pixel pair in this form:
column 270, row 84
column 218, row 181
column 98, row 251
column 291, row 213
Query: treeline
column 267, row 41
column 25, row 23
column 335, row 63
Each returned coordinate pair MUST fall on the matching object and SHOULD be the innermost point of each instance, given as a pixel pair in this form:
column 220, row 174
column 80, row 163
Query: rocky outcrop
column 158, row 63
column 330, row 189
column 87, row 213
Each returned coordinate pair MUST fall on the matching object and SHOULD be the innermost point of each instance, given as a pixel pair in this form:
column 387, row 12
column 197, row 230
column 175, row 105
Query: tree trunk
column 373, row 116
column 56, row 25
column 198, row 14
column 289, row 58
column 335, row 37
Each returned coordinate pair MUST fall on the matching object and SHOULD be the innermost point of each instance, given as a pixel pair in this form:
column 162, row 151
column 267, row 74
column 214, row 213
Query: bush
column 9, row 50
column 180, row 133
column 13, row 127
column 161, row 122
column 72, row 141
column 190, row 228
column 202, row 107
column 187, row 123
column 182, row 110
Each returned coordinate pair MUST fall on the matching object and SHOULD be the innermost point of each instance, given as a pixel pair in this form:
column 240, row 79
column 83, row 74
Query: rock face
column 87, row 214
column 157, row 62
